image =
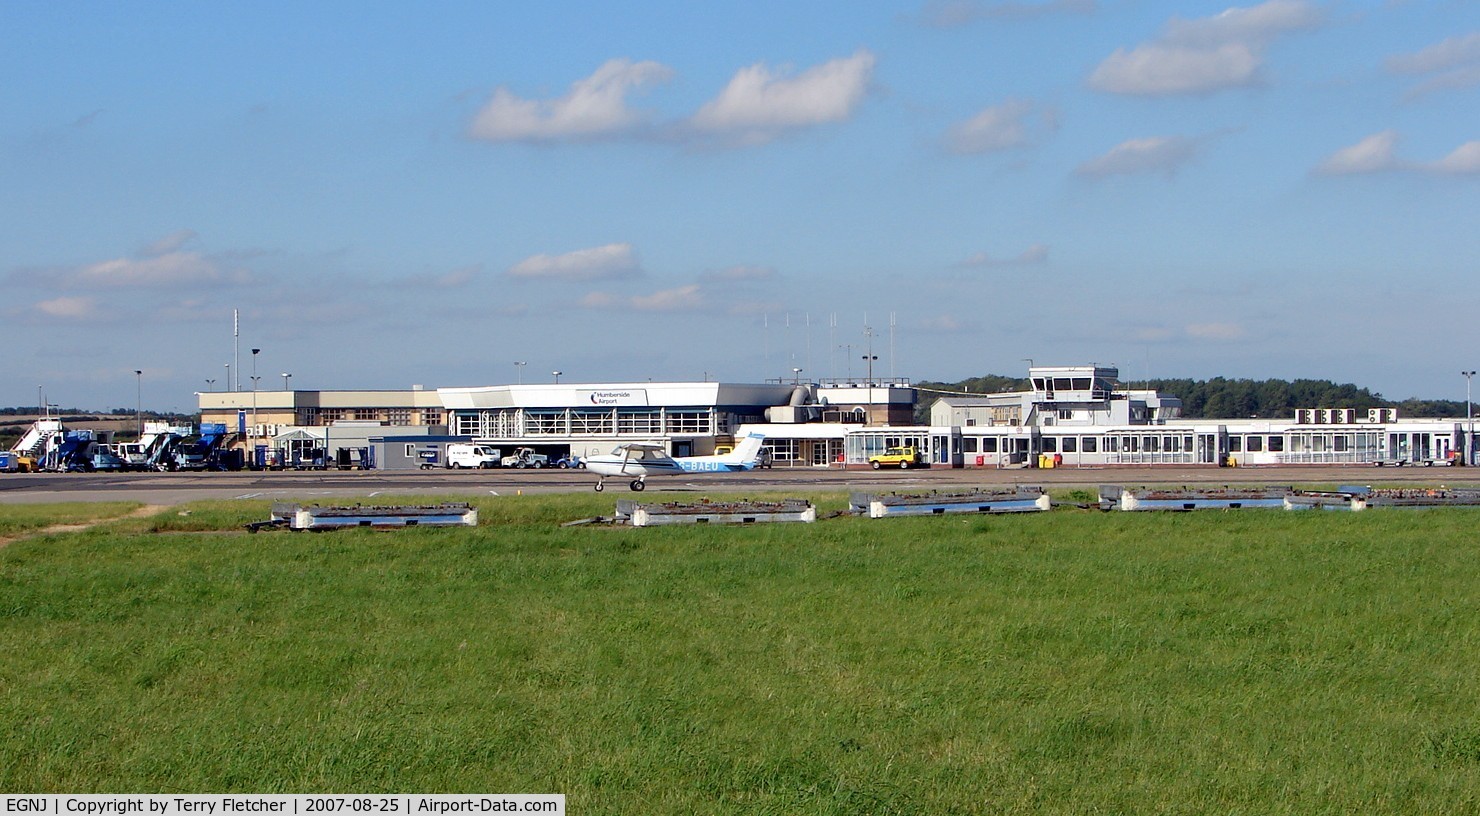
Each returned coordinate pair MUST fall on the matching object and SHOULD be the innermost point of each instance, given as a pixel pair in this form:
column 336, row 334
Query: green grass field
column 18, row 519
column 1252, row 662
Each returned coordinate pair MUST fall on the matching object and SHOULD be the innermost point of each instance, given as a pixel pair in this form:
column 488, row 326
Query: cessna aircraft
column 643, row 459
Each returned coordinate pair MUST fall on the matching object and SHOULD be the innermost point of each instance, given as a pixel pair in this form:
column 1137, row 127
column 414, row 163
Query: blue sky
column 426, row 193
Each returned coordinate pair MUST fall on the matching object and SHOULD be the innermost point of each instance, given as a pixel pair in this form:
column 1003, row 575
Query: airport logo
column 636, row 396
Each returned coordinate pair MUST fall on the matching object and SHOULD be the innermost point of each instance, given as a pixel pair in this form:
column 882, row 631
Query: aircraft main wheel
column 637, row 485
column 600, row 487
column 877, row 466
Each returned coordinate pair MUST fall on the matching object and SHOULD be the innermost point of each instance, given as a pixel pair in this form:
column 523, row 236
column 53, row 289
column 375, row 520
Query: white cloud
column 453, row 279
column 739, row 273
column 1215, row 331
column 759, row 104
column 1458, row 79
column 597, row 263
column 1464, row 160
column 1450, row 65
column 681, row 299
column 1157, row 154
column 1378, row 154
column 1375, row 154
column 1204, row 55
column 1001, row 127
column 1450, row 53
column 595, row 107
column 952, row 13
column 1158, row 69
column 1254, row 25
column 1035, row 254
column 67, row 308
column 170, row 243
column 942, row 324
column 168, row 269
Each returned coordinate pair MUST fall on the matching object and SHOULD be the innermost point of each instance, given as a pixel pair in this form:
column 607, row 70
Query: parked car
column 901, row 457
column 570, row 460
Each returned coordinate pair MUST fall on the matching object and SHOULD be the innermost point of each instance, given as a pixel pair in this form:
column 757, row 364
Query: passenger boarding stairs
column 34, row 441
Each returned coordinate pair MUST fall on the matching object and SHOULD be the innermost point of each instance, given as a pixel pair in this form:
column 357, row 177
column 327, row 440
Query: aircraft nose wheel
column 637, row 485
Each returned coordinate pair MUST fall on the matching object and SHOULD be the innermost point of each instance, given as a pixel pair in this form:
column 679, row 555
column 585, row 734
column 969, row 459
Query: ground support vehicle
column 461, row 456
column 525, row 458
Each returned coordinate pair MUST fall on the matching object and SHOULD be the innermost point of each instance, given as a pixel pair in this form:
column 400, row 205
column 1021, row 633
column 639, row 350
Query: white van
column 472, row 456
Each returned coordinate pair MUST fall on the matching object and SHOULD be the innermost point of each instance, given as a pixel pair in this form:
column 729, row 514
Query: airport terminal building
column 1072, row 416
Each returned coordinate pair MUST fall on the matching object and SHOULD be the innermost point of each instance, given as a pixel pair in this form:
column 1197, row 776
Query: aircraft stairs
column 34, row 441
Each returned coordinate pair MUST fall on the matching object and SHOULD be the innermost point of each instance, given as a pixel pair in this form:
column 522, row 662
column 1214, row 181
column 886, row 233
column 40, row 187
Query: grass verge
column 1246, row 662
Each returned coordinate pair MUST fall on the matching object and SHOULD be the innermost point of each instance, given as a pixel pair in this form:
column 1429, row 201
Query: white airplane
column 640, row 460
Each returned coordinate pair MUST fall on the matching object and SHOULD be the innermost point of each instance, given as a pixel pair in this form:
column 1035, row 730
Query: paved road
column 176, row 488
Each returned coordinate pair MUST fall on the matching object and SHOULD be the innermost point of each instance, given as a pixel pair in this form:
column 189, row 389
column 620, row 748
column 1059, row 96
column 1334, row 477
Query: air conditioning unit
column 1344, row 416
column 1305, row 416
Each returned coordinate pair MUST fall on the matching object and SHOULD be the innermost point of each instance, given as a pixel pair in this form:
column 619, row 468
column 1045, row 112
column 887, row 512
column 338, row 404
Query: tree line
column 1224, row 398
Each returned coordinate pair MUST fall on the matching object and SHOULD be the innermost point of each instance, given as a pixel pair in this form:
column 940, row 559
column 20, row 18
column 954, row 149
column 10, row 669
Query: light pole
column 557, row 376
column 226, row 386
column 251, row 439
column 139, row 401
column 519, row 371
column 1469, row 418
column 796, row 376
column 286, row 377
column 210, row 384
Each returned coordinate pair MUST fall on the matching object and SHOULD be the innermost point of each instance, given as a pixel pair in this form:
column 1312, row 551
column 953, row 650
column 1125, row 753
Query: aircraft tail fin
column 747, row 452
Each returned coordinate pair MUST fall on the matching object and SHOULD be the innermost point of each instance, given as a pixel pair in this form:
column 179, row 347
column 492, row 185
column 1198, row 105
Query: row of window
column 1256, row 443
column 517, row 422
column 391, row 416
column 1130, row 443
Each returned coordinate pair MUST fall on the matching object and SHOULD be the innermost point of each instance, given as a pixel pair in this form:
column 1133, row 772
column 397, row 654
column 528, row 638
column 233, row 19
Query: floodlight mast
column 1469, row 418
